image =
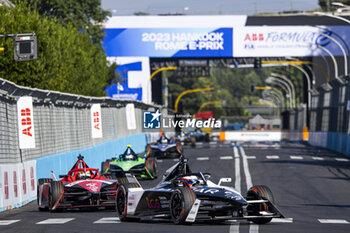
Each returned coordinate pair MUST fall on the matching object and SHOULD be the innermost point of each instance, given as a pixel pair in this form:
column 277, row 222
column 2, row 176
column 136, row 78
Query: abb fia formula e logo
column 25, row 122
column 254, row 37
column 96, row 123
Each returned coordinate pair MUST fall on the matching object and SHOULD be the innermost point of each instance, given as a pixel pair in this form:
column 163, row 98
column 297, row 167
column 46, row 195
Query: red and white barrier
column 17, row 184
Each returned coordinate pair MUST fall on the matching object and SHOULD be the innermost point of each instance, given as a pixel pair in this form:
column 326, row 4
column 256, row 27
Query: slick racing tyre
column 260, row 192
column 121, row 203
column 151, row 165
column 55, row 193
column 102, row 171
column 40, row 182
column 181, row 202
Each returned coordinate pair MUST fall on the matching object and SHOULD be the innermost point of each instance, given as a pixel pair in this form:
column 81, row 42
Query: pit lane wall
column 61, row 127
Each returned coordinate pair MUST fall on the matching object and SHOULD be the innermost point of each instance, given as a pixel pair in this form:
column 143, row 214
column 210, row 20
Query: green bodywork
column 128, row 164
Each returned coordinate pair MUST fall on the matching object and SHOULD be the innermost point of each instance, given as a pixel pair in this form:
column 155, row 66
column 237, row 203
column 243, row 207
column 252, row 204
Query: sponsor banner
column 130, row 116
column 169, row 42
column 25, row 122
column 134, row 73
column 96, row 123
column 253, row 136
column 279, row 41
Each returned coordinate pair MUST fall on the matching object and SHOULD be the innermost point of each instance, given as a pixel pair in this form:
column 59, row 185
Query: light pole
column 153, row 74
column 283, row 77
column 208, row 103
column 190, row 91
column 283, row 85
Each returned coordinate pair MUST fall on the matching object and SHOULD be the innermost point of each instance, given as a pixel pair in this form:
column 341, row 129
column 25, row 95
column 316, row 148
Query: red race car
column 81, row 187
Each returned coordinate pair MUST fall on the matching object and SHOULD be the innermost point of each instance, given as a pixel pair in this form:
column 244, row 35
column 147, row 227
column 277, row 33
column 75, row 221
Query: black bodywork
column 216, row 202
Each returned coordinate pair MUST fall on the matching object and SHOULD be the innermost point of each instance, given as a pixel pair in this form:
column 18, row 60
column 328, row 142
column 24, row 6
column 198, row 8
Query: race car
column 143, row 167
column 186, row 197
column 164, row 148
column 81, row 187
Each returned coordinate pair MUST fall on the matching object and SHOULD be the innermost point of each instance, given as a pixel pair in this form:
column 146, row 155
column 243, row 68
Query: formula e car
column 186, row 197
column 81, row 187
column 142, row 166
column 165, row 148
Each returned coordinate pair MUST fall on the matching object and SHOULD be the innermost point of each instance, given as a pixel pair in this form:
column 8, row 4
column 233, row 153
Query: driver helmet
column 83, row 176
column 189, row 180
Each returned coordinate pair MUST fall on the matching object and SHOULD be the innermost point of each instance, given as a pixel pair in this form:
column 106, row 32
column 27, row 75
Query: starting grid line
column 115, row 220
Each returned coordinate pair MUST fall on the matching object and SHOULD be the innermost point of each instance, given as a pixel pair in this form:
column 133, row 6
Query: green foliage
column 232, row 88
column 85, row 15
column 67, row 61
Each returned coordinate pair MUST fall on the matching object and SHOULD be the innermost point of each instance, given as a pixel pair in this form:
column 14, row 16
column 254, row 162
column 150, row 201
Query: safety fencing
column 329, row 117
column 45, row 130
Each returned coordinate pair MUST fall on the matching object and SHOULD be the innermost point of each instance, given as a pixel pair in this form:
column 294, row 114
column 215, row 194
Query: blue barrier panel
column 93, row 156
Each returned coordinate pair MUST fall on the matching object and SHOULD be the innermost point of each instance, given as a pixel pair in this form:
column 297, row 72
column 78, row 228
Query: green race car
column 141, row 166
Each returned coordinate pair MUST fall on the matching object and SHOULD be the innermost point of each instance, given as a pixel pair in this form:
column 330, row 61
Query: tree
column 67, row 61
column 85, row 15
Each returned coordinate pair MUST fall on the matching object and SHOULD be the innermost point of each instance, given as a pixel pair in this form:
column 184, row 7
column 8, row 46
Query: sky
column 207, row 7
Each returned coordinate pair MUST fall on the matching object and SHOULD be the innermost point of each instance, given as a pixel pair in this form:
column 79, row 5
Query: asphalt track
column 311, row 187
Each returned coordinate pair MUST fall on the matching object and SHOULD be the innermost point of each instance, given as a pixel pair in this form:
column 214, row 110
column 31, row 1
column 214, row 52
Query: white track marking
column 341, row 160
column 237, row 170
column 272, row 157
column 213, row 143
column 7, row 222
column 108, row 220
column 296, row 157
column 234, row 227
column 336, row 221
column 226, row 157
column 199, row 143
column 202, row 158
column 248, row 177
column 176, row 160
column 159, row 160
column 317, row 158
column 282, row 220
column 254, row 228
column 56, row 221
column 251, row 157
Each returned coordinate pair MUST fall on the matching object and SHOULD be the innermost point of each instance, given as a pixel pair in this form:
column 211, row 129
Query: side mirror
column 226, row 180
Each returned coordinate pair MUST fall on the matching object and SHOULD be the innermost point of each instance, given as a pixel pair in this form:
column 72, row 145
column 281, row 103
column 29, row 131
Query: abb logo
column 254, row 37
column 26, row 121
column 96, row 120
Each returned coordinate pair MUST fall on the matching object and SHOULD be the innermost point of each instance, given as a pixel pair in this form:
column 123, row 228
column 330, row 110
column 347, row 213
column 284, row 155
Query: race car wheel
column 122, row 202
column 102, row 168
column 55, row 193
column 181, row 202
column 148, row 150
column 151, row 165
column 40, row 182
column 260, row 192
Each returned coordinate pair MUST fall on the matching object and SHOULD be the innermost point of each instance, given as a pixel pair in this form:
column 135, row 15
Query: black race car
column 185, row 196
column 165, row 148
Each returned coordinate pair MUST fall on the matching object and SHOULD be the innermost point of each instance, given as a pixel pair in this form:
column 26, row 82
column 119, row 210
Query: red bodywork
column 81, row 187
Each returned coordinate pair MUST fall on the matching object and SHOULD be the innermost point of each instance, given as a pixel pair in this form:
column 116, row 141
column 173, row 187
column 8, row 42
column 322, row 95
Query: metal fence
column 62, row 121
column 327, row 112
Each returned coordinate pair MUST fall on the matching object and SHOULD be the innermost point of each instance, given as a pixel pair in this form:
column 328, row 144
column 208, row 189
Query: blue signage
column 169, row 42
column 122, row 89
